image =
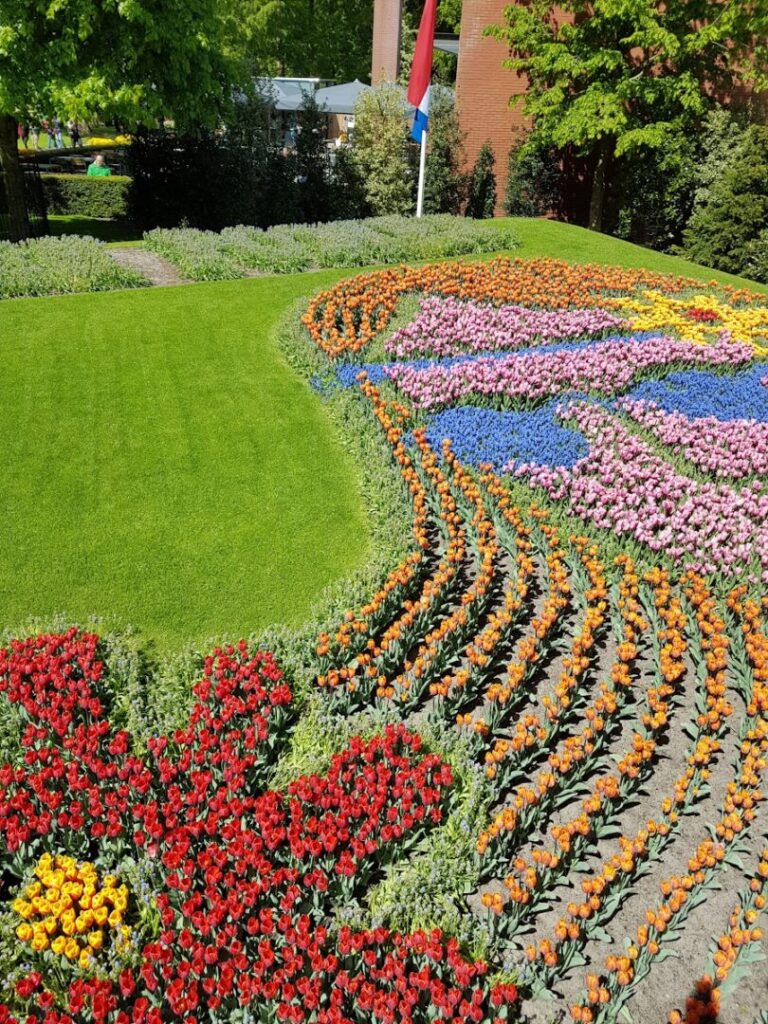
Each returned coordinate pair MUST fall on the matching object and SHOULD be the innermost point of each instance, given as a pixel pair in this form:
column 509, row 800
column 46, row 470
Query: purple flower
column 623, row 485
column 446, row 327
column 606, row 368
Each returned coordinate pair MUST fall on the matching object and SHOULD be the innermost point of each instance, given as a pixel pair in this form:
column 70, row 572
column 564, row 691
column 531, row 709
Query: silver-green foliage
column 60, row 266
column 286, row 249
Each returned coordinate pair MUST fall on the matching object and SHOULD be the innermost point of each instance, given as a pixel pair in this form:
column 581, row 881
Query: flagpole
column 422, row 175
column 419, row 87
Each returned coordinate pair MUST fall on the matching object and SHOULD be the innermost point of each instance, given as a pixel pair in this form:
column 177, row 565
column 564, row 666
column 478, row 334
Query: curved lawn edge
column 108, row 517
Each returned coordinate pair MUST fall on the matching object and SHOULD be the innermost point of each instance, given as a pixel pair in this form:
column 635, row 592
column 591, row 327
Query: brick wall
column 387, row 21
column 483, row 88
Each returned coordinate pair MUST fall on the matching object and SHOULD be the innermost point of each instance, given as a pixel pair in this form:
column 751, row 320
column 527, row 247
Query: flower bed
column 60, row 266
column 286, row 249
column 632, row 411
column 531, row 759
column 240, row 879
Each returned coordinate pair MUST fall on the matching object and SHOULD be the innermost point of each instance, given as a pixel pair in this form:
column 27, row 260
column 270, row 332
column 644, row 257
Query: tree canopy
column 128, row 59
column 322, row 38
column 132, row 60
column 608, row 77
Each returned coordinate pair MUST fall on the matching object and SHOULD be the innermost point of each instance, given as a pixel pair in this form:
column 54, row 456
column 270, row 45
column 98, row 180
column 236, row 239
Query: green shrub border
column 80, row 196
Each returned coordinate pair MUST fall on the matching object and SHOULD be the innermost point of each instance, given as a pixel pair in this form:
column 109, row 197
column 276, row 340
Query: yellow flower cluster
column 654, row 311
column 68, row 909
column 96, row 140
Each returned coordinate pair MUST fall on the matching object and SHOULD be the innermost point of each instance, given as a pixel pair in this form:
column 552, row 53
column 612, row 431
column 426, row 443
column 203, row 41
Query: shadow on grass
column 104, row 230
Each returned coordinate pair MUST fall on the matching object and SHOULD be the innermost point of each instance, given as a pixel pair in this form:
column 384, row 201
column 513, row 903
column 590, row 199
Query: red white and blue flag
column 421, row 72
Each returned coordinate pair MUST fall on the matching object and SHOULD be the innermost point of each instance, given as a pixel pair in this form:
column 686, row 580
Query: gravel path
column 156, row 270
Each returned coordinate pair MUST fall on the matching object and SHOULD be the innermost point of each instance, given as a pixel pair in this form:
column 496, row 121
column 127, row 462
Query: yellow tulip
column 24, row 932
column 72, row 950
column 59, row 944
column 95, row 939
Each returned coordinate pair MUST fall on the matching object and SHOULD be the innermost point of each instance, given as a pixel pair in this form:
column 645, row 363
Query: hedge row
column 81, row 196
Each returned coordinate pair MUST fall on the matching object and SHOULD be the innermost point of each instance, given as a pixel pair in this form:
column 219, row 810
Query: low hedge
column 81, row 196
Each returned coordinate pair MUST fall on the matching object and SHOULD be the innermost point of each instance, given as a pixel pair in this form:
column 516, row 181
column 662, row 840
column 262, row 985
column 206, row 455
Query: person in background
column 25, row 135
column 50, row 142
column 34, row 136
column 57, row 133
column 74, row 133
column 98, row 169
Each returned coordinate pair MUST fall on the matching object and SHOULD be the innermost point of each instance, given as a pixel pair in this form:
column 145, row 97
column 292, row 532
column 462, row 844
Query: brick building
column 483, row 86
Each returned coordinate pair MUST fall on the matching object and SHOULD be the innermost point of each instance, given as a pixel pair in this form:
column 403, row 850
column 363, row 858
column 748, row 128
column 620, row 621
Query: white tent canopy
column 341, row 99
column 284, row 94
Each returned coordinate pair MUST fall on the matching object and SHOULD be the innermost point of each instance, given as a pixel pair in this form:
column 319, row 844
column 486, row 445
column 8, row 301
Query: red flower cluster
column 702, row 316
column 245, row 878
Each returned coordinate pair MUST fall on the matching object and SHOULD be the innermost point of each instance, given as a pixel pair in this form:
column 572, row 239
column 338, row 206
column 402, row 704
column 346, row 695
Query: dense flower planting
column 592, row 620
column 344, row 320
column 60, row 266
column 446, row 327
column 241, row 879
column 604, row 369
column 69, row 910
column 578, row 629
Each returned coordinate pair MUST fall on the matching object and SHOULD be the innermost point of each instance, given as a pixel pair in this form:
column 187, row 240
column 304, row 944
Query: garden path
column 156, row 270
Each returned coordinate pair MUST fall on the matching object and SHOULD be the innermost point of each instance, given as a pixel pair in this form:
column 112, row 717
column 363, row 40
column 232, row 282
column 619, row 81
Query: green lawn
column 162, row 464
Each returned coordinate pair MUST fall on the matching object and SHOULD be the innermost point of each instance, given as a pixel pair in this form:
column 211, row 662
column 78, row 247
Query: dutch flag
column 421, row 72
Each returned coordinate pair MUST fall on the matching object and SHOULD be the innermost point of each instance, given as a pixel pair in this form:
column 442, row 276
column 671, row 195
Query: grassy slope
column 578, row 245
column 162, row 464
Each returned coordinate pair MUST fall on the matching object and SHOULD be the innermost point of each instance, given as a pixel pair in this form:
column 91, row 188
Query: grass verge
column 163, row 466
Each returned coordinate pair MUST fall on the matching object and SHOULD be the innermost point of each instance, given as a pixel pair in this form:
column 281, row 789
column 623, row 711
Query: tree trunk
column 599, row 182
column 13, row 178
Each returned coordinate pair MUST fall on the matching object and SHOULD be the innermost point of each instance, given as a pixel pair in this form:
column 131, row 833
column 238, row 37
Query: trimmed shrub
column 446, row 185
column 347, row 188
column 656, row 192
column 535, row 182
column 214, row 180
column 312, row 167
column 381, row 150
column 756, row 265
column 80, row 196
column 482, row 185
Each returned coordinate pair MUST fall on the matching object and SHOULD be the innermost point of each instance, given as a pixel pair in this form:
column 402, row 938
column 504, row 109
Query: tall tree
column 132, row 61
column 318, row 38
column 609, row 77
